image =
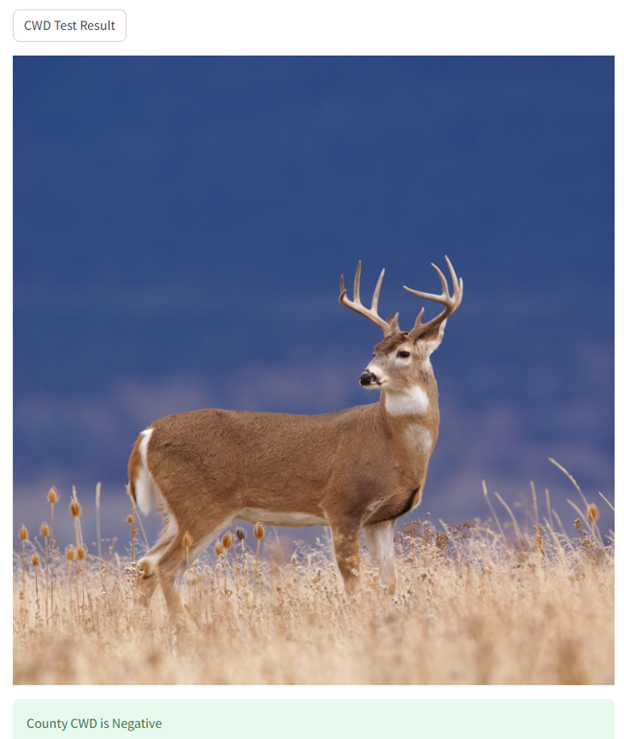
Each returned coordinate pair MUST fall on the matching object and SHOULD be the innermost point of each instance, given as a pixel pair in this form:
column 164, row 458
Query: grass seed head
column 539, row 543
column 592, row 513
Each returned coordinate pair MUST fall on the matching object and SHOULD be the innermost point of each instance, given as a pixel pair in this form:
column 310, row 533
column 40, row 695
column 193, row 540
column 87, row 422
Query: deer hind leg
column 169, row 567
column 148, row 564
column 379, row 539
column 145, row 589
column 148, row 579
column 173, row 562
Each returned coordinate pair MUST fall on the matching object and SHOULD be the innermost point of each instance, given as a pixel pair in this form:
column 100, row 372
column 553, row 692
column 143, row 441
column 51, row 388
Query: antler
column 451, row 302
column 389, row 326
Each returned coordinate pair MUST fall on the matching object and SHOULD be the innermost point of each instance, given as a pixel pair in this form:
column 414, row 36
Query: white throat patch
column 412, row 400
column 419, row 439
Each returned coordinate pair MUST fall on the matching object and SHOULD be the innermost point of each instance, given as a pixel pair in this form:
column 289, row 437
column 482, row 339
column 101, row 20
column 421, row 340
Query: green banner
column 309, row 719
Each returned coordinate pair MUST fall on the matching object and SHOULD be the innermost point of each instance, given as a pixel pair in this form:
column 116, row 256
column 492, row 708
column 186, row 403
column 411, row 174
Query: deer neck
column 413, row 418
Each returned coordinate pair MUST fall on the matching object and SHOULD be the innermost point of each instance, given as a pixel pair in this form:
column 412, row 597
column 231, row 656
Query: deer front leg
column 346, row 540
column 379, row 539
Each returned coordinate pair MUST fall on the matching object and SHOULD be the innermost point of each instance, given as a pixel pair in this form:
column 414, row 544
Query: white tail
column 359, row 468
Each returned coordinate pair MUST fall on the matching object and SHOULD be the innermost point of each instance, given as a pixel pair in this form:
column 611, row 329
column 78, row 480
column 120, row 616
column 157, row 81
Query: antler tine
column 356, row 283
column 429, row 296
column 445, row 289
column 419, row 318
column 458, row 285
column 451, row 302
column 377, row 291
column 356, row 303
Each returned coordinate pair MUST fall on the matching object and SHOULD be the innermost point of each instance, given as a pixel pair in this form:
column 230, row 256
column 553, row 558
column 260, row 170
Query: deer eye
column 403, row 354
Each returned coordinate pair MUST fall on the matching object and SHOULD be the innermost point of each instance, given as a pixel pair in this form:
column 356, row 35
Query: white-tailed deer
column 359, row 468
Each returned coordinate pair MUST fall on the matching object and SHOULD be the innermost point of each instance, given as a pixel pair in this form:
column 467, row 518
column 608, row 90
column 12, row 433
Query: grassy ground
column 475, row 605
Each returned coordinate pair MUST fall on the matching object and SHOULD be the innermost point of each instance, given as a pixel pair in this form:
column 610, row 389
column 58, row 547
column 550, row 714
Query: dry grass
column 472, row 608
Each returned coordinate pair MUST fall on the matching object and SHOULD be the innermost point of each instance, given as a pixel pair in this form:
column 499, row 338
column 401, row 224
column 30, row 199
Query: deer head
column 402, row 358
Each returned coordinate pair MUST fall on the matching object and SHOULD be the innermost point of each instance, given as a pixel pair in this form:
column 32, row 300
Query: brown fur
column 391, row 342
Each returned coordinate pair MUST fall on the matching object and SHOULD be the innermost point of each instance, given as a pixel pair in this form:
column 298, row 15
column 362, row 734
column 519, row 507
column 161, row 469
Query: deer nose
column 367, row 378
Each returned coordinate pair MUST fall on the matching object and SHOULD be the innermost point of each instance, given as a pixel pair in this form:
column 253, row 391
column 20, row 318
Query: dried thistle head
column 70, row 553
column 592, row 513
column 187, row 541
column 241, row 534
column 23, row 533
column 53, row 496
column 219, row 549
column 44, row 530
column 539, row 543
column 35, row 560
column 227, row 541
column 75, row 509
column 258, row 531
column 81, row 552
column 130, row 519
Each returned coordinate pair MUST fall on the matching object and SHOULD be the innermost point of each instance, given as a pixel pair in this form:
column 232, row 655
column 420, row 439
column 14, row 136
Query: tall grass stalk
column 45, row 532
column 36, row 561
column 70, row 556
column 258, row 533
column 53, row 498
column 23, row 535
column 98, row 492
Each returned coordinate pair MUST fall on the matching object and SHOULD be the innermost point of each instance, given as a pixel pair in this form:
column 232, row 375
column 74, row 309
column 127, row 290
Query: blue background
column 181, row 225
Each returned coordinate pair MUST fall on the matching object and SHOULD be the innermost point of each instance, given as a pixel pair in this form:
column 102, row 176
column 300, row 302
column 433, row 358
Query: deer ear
column 393, row 322
column 432, row 339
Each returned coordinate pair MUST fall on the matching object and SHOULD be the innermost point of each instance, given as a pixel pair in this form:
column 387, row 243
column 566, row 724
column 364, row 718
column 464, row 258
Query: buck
column 356, row 469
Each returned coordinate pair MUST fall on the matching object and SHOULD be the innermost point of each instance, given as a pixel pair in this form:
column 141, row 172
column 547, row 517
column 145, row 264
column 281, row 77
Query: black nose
column 367, row 378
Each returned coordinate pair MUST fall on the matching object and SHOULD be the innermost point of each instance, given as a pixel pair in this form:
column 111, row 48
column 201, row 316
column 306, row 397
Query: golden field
column 477, row 603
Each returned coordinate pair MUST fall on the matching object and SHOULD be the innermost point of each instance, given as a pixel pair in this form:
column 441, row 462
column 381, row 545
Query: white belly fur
column 280, row 518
